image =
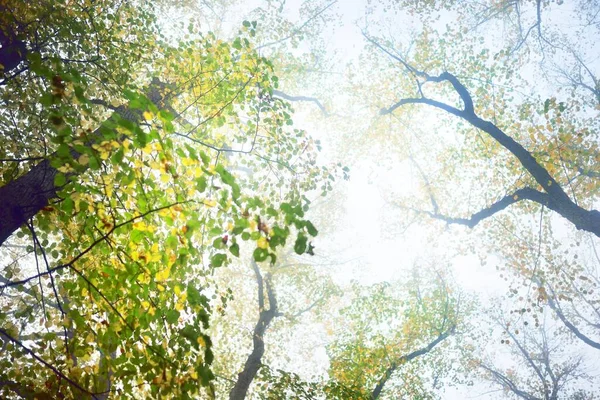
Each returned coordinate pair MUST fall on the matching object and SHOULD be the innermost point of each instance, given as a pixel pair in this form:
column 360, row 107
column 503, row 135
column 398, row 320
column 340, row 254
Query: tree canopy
column 170, row 226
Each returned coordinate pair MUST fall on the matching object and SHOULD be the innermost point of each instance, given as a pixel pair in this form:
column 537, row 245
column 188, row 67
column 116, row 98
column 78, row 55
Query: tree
column 493, row 151
column 126, row 196
column 539, row 366
column 387, row 331
column 281, row 293
column 552, row 193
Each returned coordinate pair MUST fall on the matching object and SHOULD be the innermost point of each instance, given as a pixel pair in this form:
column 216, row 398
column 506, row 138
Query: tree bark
column 13, row 51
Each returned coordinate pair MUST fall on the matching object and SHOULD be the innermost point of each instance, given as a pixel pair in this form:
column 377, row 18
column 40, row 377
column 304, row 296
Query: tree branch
column 504, row 202
column 508, row 383
column 47, row 365
column 286, row 96
column 253, row 362
column 404, row 359
column 588, row 220
column 556, row 308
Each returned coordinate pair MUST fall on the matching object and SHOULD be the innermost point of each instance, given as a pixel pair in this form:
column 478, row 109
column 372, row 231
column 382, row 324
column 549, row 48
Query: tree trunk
column 24, row 197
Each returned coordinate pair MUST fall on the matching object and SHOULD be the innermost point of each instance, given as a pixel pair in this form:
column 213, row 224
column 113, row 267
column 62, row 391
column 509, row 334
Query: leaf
column 60, row 179
column 260, row 254
column 300, row 245
column 237, row 44
column 218, row 259
column 205, row 158
column 229, row 179
column 201, row 184
column 172, row 316
column 64, row 151
column 311, row 228
column 235, row 249
column 195, row 298
column 67, row 205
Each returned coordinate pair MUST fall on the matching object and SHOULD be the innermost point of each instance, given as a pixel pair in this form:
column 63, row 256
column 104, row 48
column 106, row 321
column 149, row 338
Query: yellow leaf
column 253, row 225
column 148, row 115
column 262, row 243
column 162, row 275
column 210, row 203
column 83, row 159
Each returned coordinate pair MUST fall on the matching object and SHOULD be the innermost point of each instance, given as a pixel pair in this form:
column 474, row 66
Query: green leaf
column 218, row 259
column 94, row 163
column 237, row 44
column 229, row 179
column 205, row 158
column 67, row 205
column 60, row 179
column 201, row 184
column 191, row 334
column 64, row 151
column 136, row 236
column 260, row 254
column 172, row 316
column 311, row 228
column 171, row 242
column 141, row 138
column 118, row 156
column 195, row 298
column 235, row 249
column 300, row 245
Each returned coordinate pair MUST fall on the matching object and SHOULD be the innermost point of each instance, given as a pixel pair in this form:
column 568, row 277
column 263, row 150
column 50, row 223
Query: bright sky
column 365, row 232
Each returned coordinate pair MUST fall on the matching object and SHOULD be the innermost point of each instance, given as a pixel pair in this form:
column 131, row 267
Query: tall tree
column 387, row 331
column 539, row 367
column 119, row 179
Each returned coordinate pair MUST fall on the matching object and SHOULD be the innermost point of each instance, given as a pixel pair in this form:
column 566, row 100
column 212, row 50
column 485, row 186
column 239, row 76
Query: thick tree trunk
column 13, row 51
column 24, row 197
column 253, row 361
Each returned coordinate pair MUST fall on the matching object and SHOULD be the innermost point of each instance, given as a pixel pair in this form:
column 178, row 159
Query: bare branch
column 286, row 96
